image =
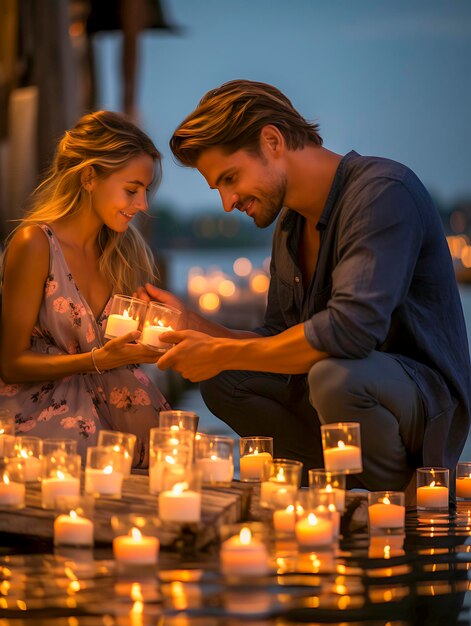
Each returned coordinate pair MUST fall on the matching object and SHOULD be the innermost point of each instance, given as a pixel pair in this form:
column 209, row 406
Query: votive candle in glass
column 60, row 477
column 341, row 445
column 12, row 483
column 126, row 314
column 180, row 500
column 104, row 472
column 179, row 420
column 256, row 456
column 282, row 484
column 172, row 448
column 244, row 555
column 135, row 542
column 315, row 530
column 214, row 457
column 386, row 511
column 59, row 446
column 124, row 443
column 432, row 488
column 73, row 525
column 159, row 319
column 463, row 480
column 327, row 482
column 30, row 449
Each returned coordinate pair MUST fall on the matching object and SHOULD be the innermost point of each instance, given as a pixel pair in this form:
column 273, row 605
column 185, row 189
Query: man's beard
column 271, row 204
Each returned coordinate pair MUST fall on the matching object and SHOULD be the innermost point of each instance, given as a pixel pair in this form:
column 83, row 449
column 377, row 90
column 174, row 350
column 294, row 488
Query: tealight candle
column 386, row 510
column 215, row 470
column 32, row 466
column 463, row 480
column 432, row 488
column 242, row 555
column 252, row 466
column 151, row 336
column 119, row 325
column 214, row 458
column 284, row 519
column 73, row 529
column 136, row 549
column 123, row 443
column 59, row 485
column 124, row 316
column 343, row 457
column 103, row 482
column 326, row 483
column 180, row 504
column 12, row 494
column 159, row 319
column 314, row 531
column 341, row 445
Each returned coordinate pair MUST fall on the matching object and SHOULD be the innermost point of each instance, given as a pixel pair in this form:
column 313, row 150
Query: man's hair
column 232, row 116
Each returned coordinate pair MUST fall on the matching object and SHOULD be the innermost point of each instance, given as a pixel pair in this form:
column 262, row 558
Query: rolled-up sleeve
column 379, row 241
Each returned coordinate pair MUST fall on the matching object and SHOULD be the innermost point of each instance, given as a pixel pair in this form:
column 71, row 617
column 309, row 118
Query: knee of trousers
column 332, row 385
column 216, row 392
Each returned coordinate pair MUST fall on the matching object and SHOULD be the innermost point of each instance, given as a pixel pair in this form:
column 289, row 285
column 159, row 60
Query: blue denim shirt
column 384, row 281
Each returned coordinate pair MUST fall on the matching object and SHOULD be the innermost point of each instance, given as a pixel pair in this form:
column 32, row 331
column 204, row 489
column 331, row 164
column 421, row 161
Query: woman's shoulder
column 31, row 238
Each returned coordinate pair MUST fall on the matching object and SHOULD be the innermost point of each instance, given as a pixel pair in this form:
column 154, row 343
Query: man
column 363, row 321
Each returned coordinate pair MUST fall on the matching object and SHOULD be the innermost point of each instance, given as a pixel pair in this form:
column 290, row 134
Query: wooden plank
column 227, row 505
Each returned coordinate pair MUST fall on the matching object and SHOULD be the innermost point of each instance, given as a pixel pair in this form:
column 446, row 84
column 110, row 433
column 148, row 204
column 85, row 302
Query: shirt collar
column 335, row 190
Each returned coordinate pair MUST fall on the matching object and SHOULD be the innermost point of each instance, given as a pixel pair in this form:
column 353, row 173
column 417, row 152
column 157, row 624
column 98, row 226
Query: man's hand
column 196, row 356
column 150, row 292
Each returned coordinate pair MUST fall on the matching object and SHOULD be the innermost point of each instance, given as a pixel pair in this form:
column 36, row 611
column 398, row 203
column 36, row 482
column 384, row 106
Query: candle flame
column 432, row 484
column 108, row 469
column 328, row 488
column 245, row 536
column 340, row 444
column 73, row 514
column 387, row 551
column 117, row 448
column 169, row 459
column 280, row 477
column 214, row 457
column 386, row 500
column 179, row 488
column 136, row 534
column 290, row 508
column 6, row 479
column 136, row 593
column 332, row 508
column 60, row 475
column 299, row 509
column 312, row 519
column 125, row 314
column 174, row 427
column 24, row 454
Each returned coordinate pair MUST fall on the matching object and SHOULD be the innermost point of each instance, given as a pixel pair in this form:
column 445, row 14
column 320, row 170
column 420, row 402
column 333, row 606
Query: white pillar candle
column 180, row 505
column 11, row 493
column 73, row 529
column 386, row 515
column 104, row 482
column 242, row 555
column 463, row 487
column 284, row 519
column 252, row 466
column 314, row 531
column 118, row 325
column 432, row 496
column 216, row 470
column 60, row 485
column 151, row 336
column 136, row 549
column 343, row 457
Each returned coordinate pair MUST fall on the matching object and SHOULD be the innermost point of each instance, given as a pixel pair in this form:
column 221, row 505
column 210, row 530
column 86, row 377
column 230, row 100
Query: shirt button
column 296, row 279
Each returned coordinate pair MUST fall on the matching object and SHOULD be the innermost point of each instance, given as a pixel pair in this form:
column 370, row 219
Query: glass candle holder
column 104, row 472
column 214, row 457
column 126, row 314
column 341, row 445
column 12, row 483
column 386, row 511
column 463, row 481
column 7, row 423
column 7, row 446
column 159, row 319
column 30, row 449
column 180, row 500
column 256, row 456
column 59, row 446
column 60, row 477
column 315, row 526
column 325, row 502
column 168, row 448
column 179, row 420
column 123, row 443
column 327, row 482
column 432, row 488
column 283, row 482
column 135, row 540
column 244, row 555
column 73, row 525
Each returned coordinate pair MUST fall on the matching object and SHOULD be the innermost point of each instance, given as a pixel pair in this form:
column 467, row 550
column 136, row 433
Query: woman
column 75, row 248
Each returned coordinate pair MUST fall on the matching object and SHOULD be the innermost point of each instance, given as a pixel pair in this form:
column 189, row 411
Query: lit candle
column 136, row 549
column 432, row 496
column 386, row 515
column 343, row 457
column 60, row 485
column 151, row 335
column 243, row 555
column 118, row 325
column 284, row 519
column 314, row 531
column 463, row 487
column 32, row 466
column 104, row 482
column 180, row 504
column 253, row 466
column 339, row 495
column 215, row 469
column 73, row 529
column 156, row 473
column 273, row 493
column 11, row 492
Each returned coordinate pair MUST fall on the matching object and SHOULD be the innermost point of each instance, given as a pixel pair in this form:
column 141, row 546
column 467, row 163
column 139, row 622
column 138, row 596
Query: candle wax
column 51, row 488
column 346, row 458
column 12, row 494
column 136, row 551
column 101, row 484
column 386, row 515
column 254, row 467
column 435, row 497
column 70, row 530
column 151, row 337
column 180, row 507
column 317, row 534
column 118, row 325
column 216, row 470
column 244, row 559
column 32, row 467
column 284, row 520
column 463, row 487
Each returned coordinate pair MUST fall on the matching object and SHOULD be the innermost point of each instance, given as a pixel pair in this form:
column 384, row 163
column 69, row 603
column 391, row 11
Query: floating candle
column 242, row 555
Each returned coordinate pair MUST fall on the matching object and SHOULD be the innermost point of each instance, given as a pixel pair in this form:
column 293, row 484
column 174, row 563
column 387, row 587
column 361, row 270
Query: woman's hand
column 120, row 351
column 150, row 292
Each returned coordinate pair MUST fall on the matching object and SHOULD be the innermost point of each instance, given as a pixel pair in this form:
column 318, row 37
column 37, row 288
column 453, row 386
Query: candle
column 343, row 457
column 273, row 493
column 11, row 492
column 253, row 466
column 432, row 496
column 314, row 531
column 118, row 325
column 32, row 466
column 73, row 529
column 60, row 485
column 104, row 482
column 463, row 487
column 284, row 520
column 215, row 470
column 180, row 504
column 151, row 335
column 156, row 473
column 386, row 515
column 243, row 555
column 136, row 549
column 339, row 495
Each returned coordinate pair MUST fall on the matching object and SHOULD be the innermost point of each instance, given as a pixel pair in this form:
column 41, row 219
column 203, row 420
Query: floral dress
column 79, row 406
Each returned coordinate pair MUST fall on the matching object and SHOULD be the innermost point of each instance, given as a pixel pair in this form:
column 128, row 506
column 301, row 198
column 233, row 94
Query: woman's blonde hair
column 106, row 141
column 232, row 116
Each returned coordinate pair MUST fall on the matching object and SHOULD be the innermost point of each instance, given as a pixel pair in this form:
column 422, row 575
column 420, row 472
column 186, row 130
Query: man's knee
column 215, row 391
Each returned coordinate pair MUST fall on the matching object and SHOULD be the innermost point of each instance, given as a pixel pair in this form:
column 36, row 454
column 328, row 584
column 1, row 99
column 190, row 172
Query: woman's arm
column 25, row 273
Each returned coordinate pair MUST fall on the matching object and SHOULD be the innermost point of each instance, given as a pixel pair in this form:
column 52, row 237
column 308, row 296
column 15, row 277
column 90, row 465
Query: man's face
column 251, row 183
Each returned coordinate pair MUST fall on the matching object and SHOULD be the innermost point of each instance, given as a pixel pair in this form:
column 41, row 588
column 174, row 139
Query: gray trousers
column 375, row 391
